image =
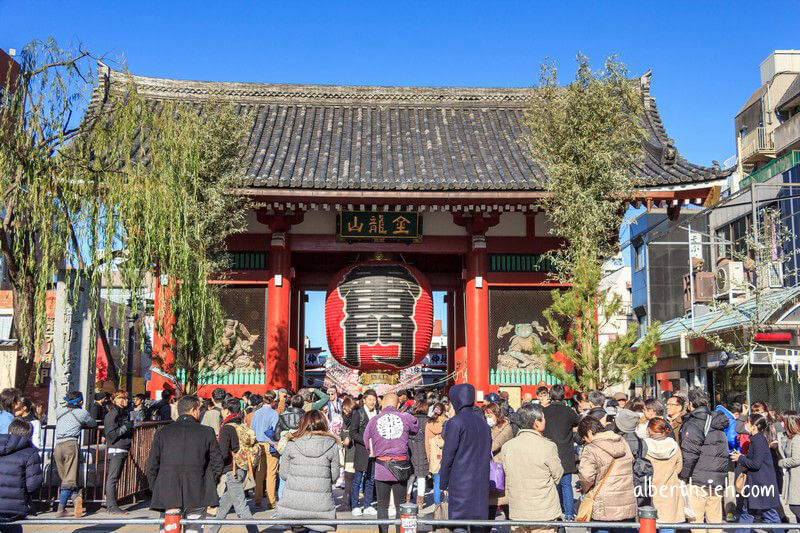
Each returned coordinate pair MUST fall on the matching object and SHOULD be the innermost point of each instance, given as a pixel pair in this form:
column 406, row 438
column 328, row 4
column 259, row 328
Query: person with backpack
column 625, row 424
column 240, row 455
column 162, row 410
column 704, row 447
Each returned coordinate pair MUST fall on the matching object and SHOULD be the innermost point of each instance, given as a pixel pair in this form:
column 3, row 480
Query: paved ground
column 140, row 510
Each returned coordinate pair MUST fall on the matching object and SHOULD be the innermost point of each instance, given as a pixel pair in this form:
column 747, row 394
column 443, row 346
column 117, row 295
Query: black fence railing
column 94, row 464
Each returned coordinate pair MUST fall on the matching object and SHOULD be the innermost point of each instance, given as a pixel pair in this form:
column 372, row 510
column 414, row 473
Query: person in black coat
column 559, row 428
column 704, row 447
column 20, row 471
column 118, row 429
column 362, row 464
column 762, row 489
column 465, row 458
column 185, row 463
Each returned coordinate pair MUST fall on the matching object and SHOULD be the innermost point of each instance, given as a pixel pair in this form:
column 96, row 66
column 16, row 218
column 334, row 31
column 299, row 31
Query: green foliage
column 587, row 137
column 136, row 187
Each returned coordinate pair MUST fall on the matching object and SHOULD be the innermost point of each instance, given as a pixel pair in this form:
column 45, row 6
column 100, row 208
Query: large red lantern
column 379, row 316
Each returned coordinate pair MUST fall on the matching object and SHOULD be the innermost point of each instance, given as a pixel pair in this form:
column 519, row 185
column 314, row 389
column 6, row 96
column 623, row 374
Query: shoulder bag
column 587, row 504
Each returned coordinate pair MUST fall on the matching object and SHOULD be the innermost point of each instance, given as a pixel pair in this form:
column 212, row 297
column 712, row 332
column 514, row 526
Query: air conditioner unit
column 770, row 275
column 729, row 280
column 703, row 285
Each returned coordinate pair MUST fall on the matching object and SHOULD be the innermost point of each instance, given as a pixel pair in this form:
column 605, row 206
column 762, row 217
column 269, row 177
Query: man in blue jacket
column 465, row 459
column 263, row 425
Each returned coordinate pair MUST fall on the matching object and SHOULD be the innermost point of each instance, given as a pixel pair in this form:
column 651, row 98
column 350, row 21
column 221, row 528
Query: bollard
column 408, row 518
column 172, row 521
column 647, row 519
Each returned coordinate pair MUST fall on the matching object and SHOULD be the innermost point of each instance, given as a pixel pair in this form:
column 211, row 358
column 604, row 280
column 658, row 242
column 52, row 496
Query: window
column 638, row 257
column 642, row 325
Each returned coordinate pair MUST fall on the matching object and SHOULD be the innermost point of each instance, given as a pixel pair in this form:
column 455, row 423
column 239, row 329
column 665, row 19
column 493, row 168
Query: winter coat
column 358, row 424
column 730, row 431
column 213, row 419
column 184, row 466
column 350, row 451
column 500, row 435
column 465, row 458
column 705, row 456
column 533, row 469
column 760, row 473
column 559, row 423
column 310, row 467
column 416, row 448
column 20, row 474
column 791, row 462
column 118, row 428
column 665, row 456
column 289, row 420
column 161, row 411
column 433, row 430
column 615, row 501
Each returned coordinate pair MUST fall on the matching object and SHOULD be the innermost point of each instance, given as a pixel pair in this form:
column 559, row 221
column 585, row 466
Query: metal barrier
column 448, row 524
column 94, row 464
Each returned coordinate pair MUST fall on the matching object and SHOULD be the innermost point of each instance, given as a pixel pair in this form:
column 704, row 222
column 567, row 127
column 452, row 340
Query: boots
column 62, row 512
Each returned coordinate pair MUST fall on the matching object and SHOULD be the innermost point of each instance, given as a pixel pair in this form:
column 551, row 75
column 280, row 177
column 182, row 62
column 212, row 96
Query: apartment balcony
column 787, row 135
column 757, row 146
column 773, row 168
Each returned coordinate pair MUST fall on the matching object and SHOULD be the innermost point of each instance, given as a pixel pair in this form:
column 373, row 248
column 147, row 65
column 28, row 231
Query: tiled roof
column 398, row 138
column 730, row 317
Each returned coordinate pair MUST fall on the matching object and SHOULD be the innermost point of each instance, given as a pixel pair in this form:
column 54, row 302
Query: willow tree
column 587, row 137
column 129, row 188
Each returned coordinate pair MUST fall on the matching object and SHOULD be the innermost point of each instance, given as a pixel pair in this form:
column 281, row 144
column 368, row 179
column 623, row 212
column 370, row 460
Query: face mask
column 491, row 422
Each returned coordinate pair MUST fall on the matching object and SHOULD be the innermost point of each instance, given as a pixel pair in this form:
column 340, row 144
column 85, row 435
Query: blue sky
column 704, row 55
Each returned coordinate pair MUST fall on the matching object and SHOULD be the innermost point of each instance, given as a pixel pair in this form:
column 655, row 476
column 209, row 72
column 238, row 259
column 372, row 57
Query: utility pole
column 131, row 316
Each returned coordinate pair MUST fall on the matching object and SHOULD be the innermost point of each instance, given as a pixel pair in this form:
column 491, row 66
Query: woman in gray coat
column 310, row 467
column 790, row 448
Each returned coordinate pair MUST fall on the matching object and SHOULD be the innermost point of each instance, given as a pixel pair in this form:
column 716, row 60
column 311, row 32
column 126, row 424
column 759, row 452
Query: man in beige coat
column 533, row 471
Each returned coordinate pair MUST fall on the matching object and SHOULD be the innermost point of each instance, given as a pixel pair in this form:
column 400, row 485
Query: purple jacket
column 387, row 436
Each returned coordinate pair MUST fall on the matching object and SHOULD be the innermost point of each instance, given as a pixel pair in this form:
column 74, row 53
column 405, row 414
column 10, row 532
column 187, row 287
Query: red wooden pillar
column 163, row 356
column 459, row 337
column 477, row 317
column 279, row 296
column 294, row 338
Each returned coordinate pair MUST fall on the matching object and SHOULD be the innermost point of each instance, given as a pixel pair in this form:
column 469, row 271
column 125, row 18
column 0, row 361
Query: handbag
column 587, row 504
column 497, row 476
column 440, row 512
column 741, row 481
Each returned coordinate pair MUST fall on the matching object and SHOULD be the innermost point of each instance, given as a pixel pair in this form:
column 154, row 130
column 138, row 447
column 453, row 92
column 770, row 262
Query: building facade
column 333, row 169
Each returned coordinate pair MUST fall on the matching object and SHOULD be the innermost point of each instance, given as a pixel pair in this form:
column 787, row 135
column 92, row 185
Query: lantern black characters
column 379, row 316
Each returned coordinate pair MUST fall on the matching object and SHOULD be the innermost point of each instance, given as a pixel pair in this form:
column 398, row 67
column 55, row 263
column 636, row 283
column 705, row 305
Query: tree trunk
column 25, row 328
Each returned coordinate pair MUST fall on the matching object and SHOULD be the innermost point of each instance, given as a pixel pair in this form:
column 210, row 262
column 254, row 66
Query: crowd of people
column 559, row 456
